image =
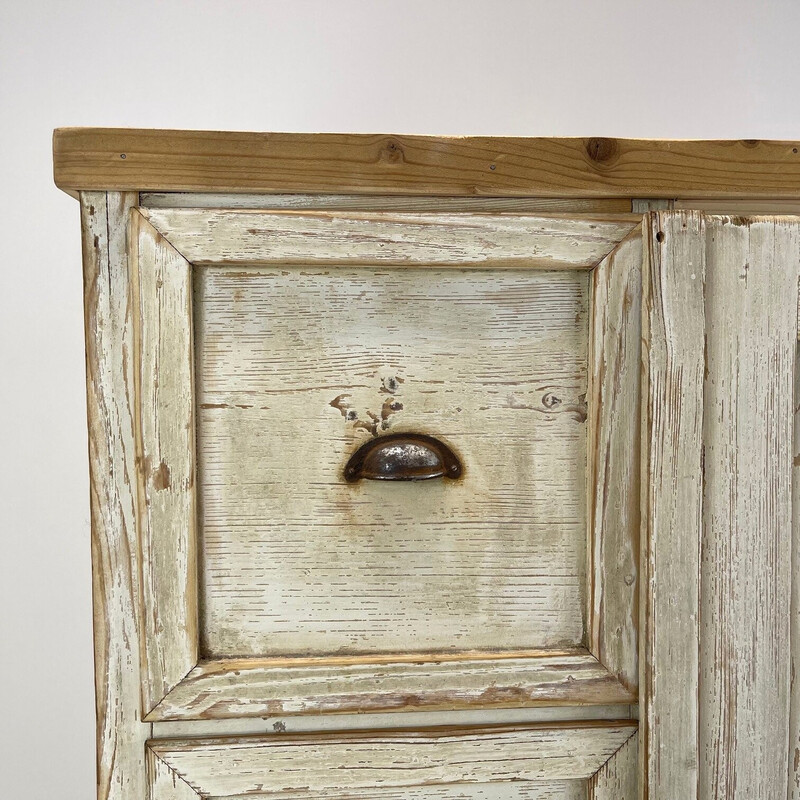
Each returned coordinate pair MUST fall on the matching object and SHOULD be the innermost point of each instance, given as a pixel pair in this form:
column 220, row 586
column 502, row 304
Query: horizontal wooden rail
column 206, row 161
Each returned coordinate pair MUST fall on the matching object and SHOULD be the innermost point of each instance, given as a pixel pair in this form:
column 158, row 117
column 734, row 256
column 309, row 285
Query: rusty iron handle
column 403, row 457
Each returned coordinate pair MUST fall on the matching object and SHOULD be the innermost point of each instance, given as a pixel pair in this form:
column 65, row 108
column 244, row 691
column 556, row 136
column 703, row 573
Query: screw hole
column 492, row 166
column 122, row 155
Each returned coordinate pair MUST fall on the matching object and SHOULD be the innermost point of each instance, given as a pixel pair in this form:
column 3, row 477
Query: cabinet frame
column 172, row 168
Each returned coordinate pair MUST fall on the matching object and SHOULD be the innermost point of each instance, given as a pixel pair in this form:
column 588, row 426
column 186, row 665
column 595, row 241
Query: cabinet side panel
column 672, row 417
column 120, row 733
column 751, row 334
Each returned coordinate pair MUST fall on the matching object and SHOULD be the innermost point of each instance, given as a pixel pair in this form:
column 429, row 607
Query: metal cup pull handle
column 403, row 457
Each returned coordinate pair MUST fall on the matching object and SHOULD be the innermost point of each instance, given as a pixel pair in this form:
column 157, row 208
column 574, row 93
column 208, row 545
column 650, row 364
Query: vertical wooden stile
column 720, row 334
column 751, row 335
column 672, row 416
column 109, row 388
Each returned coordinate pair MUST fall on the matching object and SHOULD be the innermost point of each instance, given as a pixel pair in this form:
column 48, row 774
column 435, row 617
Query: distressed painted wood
column 212, row 161
column 497, row 241
column 334, row 765
column 718, row 731
column 673, row 329
column 617, row 779
column 164, row 398
column 165, row 783
column 720, row 629
column 614, row 458
column 297, row 368
column 260, row 687
column 108, row 311
column 409, row 203
column 752, row 268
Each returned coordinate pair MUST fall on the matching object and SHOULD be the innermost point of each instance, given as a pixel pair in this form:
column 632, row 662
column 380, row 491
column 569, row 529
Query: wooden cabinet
column 591, row 593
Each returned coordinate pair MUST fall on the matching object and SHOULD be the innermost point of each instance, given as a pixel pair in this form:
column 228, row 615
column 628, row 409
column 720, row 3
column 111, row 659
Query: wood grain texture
column 260, row 688
column 496, row 241
column 752, row 268
column 614, row 428
column 209, row 161
column 335, row 765
column 299, row 367
column 409, row 203
column 642, row 206
column 673, row 328
column 164, row 358
column 109, row 338
column 617, row 779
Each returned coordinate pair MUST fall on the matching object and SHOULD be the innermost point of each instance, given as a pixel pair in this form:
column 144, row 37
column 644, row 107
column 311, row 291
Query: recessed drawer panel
column 296, row 368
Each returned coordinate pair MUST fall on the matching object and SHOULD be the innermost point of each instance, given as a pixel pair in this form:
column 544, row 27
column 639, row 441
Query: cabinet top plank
column 121, row 159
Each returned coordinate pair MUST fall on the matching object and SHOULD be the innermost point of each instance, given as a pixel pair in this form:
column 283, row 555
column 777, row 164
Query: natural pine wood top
column 207, row 161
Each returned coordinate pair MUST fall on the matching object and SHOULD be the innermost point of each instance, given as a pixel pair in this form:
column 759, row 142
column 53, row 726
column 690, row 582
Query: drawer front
column 595, row 761
column 272, row 348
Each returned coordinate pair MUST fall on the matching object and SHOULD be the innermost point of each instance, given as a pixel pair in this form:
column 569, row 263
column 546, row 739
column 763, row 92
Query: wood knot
column 602, row 150
column 550, row 400
column 162, row 477
column 392, row 153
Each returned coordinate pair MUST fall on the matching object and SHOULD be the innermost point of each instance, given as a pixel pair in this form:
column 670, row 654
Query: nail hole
column 660, row 236
column 122, row 155
column 492, row 166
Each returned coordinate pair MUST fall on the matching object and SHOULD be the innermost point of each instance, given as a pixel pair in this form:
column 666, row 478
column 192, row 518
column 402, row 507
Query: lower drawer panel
column 594, row 759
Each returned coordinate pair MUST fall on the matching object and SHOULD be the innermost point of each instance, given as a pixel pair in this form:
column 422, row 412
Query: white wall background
column 615, row 68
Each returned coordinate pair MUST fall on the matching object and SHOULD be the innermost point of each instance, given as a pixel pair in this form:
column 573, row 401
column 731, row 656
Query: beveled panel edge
column 306, row 237
column 613, row 436
column 226, row 688
column 334, row 763
column 164, row 411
